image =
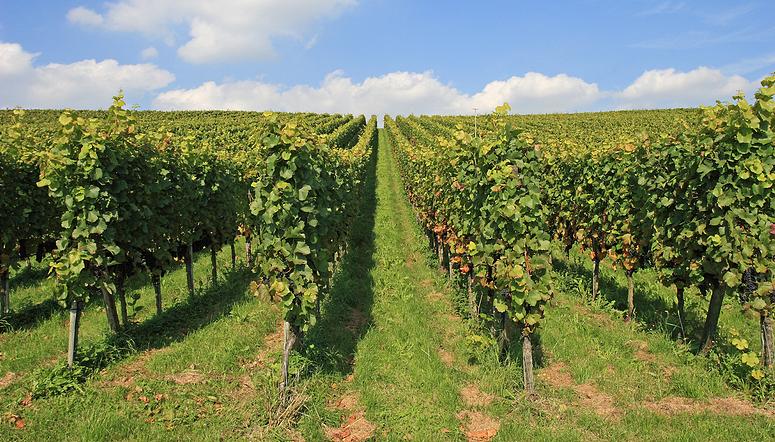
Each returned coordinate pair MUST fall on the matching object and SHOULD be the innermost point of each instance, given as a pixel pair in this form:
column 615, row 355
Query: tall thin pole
column 475, row 115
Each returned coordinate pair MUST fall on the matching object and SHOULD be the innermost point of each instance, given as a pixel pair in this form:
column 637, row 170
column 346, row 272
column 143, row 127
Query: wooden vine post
column 717, row 293
column 214, row 262
column 75, row 322
column 5, row 291
column 110, row 309
column 630, row 296
column 768, row 342
column 121, row 292
column 290, row 338
column 156, row 280
column 189, row 259
column 450, row 264
column 527, row 364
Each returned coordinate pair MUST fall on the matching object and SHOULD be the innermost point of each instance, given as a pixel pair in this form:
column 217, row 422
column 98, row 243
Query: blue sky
column 379, row 56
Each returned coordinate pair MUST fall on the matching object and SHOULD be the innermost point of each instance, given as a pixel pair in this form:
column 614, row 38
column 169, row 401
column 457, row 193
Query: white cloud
column 84, row 16
column 91, row 83
column 13, row 59
column 83, row 84
column 538, row 93
column 393, row 93
column 671, row 88
column 422, row 93
column 227, row 30
column 149, row 53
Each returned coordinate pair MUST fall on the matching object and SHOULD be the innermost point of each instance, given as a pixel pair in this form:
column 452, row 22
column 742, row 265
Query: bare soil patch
column 599, row 402
column 246, row 387
column 187, row 377
column 474, row 397
column 728, row 406
column 478, row 427
column 556, row 376
column 348, row 401
column 446, row 357
column 294, row 436
column 7, row 379
column 355, row 429
column 435, row 296
column 452, row 318
column 589, row 396
column 275, row 340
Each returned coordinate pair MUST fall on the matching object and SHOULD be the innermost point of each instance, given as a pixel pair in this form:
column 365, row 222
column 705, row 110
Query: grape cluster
column 749, row 286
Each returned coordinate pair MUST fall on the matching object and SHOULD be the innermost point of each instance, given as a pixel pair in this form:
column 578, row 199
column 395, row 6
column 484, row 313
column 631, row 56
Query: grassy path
column 396, row 339
column 404, row 383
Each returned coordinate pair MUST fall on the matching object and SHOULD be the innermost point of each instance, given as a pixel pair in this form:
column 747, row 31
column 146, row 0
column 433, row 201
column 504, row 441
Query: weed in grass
column 90, row 359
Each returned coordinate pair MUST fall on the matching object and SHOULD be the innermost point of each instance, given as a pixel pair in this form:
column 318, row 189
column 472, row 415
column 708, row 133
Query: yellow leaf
column 750, row 359
column 740, row 343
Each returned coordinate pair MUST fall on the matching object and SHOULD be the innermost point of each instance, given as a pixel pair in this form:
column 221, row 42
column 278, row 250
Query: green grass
column 390, row 336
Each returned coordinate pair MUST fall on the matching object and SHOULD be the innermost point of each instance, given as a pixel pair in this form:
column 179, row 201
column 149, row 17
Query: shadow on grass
column 30, row 316
column 161, row 330
column 346, row 314
column 29, row 275
column 652, row 310
column 196, row 312
column 26, row 315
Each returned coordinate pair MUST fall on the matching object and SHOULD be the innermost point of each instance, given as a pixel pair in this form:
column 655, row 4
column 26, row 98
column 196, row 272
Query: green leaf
column 758, row 304
column 732, row 279
column 532, row 319
column 726, row 199
column 303, row 192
